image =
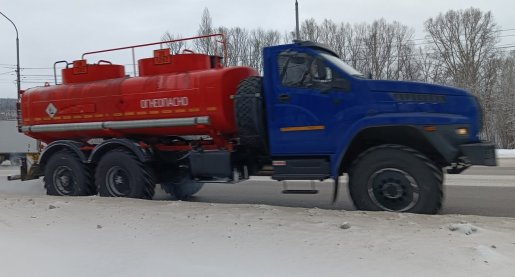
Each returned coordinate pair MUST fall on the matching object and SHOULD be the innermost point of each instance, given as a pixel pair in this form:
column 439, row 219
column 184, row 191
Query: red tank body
column 184, row 94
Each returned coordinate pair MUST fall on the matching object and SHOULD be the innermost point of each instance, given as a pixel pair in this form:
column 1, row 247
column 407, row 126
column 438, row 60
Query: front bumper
column 479, row 153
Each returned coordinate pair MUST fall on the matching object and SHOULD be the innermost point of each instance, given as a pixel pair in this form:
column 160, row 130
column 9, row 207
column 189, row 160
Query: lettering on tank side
column 164, row 102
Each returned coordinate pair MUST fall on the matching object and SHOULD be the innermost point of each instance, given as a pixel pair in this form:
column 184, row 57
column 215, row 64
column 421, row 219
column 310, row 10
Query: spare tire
column 250, row 115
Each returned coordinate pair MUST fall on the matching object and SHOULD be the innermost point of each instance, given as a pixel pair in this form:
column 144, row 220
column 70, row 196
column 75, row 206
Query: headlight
column 462, row 131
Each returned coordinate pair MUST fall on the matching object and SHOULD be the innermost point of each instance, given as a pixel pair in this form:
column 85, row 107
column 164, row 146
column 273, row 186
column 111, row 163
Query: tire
column 183, row 187
column 183, row 190
column 395, row 178
column 120, row 174
column 65, row 174
column 250, row 116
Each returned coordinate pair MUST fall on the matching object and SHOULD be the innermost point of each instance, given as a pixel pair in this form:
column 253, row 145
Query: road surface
column 488, row 191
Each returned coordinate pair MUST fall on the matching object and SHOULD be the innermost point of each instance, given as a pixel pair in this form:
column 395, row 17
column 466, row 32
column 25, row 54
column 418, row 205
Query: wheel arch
column 409, row 136
column 143, row 155
column 56, row 146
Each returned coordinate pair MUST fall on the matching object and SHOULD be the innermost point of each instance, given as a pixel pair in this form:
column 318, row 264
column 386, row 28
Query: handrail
column 55, row 69
column 222, row 41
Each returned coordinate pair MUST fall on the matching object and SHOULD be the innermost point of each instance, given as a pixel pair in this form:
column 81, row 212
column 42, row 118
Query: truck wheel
column 250, row 116
column 182, row 190
column 395, row 178
column 182, row 186
column 65, row 174
column 120, row 174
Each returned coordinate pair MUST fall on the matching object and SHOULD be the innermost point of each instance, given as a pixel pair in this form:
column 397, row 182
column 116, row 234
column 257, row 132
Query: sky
column 52, row 30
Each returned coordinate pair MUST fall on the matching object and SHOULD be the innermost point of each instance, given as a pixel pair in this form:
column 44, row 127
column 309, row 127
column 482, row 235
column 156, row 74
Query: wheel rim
column 118, row 181
column 64, row 180
column 393, row 189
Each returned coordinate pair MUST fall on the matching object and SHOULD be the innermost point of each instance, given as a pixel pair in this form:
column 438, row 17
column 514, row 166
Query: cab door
column 307, row 105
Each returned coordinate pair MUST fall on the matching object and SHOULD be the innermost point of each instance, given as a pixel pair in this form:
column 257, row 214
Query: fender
column 142, row 154
column 56, row 146
column 402, row 119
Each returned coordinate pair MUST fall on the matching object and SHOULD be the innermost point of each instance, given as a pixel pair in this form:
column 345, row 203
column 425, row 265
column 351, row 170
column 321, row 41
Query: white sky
column 52, row 30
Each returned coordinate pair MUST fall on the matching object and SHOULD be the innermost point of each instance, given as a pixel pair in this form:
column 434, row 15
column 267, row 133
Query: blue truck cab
column 322, row 118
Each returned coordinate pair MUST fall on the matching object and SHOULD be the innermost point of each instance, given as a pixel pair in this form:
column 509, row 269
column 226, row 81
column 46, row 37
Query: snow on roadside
column 93, row 236
column 505, row 153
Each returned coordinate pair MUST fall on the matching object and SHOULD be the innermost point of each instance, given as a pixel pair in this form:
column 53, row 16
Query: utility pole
column 18, row 81
column 17, row 56
column 297, row 33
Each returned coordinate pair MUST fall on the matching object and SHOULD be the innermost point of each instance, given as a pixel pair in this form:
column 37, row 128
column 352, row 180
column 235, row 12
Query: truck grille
column 415, row 97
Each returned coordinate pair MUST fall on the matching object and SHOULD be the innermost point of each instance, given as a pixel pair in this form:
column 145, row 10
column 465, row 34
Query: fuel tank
column 183, row 94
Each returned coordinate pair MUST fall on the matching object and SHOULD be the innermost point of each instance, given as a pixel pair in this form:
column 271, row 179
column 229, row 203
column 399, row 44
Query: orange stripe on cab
column 303, row 128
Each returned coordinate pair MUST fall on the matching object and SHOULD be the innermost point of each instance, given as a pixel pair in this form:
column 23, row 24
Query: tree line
column 460, row 48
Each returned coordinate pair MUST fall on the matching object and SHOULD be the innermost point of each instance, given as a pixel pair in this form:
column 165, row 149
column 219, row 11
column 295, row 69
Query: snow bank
column 6, row 163
column 505, row 153
column 93, row 236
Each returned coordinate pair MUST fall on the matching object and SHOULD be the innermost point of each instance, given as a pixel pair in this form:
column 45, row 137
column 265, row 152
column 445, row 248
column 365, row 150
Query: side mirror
column 325, row 88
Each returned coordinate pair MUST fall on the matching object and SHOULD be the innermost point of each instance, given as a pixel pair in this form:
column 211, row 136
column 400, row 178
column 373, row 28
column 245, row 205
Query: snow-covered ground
column 505, row 153
column 93, row 236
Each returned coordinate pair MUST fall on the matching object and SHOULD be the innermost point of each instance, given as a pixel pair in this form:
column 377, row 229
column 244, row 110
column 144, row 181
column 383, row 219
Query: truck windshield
column 342, row 65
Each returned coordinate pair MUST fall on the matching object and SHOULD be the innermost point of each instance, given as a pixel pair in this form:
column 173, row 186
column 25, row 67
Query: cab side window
column 302, row 70
column 294, row 68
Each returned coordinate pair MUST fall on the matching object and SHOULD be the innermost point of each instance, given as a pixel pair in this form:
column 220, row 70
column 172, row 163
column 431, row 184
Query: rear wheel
column 120, row 174
column 65, row 174
column 182, row 187
column 395, row 178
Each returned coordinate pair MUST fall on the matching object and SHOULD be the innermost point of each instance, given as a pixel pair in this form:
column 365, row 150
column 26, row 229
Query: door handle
column 284, row 98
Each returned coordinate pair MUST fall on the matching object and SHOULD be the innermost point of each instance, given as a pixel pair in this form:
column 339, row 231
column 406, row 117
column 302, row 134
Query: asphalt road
column 488, row 191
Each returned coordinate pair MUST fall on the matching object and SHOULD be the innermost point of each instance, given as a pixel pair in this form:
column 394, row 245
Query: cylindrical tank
column 197, row 102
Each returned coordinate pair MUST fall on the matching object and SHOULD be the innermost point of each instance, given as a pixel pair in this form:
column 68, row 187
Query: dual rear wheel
column 118, row 174
column 65, row 174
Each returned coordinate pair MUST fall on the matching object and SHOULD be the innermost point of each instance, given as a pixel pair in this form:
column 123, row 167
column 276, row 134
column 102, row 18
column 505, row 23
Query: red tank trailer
column 179, row 94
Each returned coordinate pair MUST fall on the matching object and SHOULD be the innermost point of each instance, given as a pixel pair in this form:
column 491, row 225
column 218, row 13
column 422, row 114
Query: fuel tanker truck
column 186, row 120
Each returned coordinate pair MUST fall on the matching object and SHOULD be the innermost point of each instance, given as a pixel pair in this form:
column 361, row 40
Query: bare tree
column 205, row 28
column 175, row 47
column 309, row 30
column 503, row 121
column 237, row 42
column 259, row 39
column 430, row 67
column 464, row 41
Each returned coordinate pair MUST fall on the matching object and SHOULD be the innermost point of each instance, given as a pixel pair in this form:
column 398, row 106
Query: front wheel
column 395, row 178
